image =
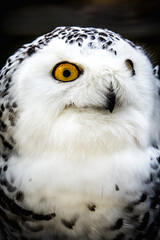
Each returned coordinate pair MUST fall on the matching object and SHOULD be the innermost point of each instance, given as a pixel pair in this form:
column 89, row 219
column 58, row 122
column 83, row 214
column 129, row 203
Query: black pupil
column 66, row 73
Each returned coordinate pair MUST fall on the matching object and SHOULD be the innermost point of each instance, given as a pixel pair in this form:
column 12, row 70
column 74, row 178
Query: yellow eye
column 66, row 72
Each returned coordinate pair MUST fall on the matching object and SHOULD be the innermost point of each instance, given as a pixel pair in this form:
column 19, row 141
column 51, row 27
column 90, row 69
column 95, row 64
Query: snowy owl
column 80, row 133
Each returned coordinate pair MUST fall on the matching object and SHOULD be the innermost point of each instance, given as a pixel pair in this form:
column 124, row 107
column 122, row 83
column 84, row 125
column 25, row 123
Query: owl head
column 79, row 90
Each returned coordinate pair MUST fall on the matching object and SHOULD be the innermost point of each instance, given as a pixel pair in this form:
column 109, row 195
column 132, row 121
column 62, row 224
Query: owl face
column 79, row 86
column 85, row 77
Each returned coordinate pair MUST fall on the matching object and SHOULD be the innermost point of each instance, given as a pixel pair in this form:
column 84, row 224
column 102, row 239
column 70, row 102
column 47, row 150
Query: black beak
column 111, row 99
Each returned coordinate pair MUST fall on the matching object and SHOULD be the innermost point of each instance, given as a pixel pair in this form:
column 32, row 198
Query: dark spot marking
column 142, row 198
column 62, row 32
column 71, row 42
column 3, row 126
column 103, row 34
column 7, row 70
column 11, row 110
column 31, row 50
column 76, row 35
column 2, row 108
column 118, row 224
column 92, row 207
column 87, row 31
column 7, row 86
column 83, row 36
column 5, row 93
column 111, row 35
column 5, row 157
column 79, row 40
column 158, row 159
column 130, row 43
column 12, row 120
column 117, row 187
column 111, row 99
column 40, row 41
column 41, row 217
column 19, row 196
column 75, row 30
column 14, row 104
column 20, row 60
column 112, row 50
column 105, row 46
column 5, row 168
column 144, row 222
column 155, row 145
column 5, row 143
column 130, row 207
column 154, row 166
column 70, row 36
column 11, row 188
column 1, row 113
column 69, row 224
column 92, row 37
column 109, row 43
column 54, row 36
column 4, row 182
column 9, row 60
column 102, row 39
column 149, row 180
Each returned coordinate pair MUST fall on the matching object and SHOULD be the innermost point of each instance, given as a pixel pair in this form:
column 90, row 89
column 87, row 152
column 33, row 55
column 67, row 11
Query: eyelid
column 130, row 66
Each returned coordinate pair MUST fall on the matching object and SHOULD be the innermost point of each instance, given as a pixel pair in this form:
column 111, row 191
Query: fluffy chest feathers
column 80, row 198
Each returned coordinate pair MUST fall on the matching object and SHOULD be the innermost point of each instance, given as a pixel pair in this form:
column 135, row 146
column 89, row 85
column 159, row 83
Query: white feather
column 73, row 150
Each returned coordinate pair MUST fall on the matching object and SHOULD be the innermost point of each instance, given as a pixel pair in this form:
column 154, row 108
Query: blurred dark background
column 23, row 21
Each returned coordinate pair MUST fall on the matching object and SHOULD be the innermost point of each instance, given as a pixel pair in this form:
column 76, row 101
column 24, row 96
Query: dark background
column 21, row 22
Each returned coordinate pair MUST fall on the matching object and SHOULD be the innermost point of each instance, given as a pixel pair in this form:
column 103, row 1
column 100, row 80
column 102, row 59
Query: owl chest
column 94, row 200
column 56, row 181
column 91, row 221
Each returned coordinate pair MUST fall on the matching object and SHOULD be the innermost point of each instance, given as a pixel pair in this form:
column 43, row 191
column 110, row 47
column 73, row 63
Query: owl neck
column 83, row 133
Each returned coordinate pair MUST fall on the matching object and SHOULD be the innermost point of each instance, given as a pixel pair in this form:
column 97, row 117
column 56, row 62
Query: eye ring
column 66, row 72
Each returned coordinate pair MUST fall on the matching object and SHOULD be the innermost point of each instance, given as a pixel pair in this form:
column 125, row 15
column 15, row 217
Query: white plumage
column 82, row 150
